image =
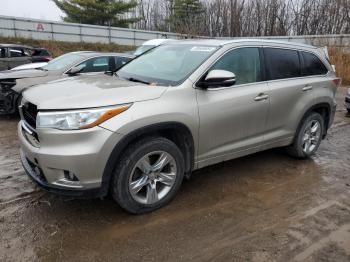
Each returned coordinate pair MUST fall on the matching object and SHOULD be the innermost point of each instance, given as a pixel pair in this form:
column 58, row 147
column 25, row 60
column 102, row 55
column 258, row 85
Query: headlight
column 78, row 119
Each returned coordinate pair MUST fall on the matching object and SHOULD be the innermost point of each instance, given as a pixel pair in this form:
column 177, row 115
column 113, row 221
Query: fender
column 148, row 130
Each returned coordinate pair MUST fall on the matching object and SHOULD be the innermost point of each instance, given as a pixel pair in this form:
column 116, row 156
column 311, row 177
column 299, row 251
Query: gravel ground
column 264, row 207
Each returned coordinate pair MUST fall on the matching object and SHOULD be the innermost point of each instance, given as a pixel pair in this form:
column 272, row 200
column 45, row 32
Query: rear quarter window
column 281, row 63
column 312, row 65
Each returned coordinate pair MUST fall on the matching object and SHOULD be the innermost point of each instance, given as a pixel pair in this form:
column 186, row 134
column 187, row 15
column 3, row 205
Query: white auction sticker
column 202, row 49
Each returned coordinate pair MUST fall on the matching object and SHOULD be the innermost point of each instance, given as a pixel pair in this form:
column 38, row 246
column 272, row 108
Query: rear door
column 289, row 92
column 18, row 56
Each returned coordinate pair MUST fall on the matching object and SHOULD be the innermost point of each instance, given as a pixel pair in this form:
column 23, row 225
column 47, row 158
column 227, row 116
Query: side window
column 312, row 65
column 243, row 62
column 2, row 52
column 120, row 61
column 281, row 63
column 96, row 64
column 16, row 52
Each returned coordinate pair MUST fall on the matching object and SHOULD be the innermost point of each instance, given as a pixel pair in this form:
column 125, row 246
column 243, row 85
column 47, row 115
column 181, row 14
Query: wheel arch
column 324, row 109
column 177, row 132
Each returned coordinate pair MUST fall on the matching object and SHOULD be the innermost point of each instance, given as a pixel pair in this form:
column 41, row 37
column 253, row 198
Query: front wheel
column 308, row 137
column 148, row 175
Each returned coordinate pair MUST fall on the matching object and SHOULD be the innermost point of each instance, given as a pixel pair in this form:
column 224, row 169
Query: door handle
column 307, row 88
column 261, row 97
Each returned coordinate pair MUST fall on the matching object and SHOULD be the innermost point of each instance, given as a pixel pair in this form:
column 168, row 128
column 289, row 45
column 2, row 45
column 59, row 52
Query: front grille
column 30, row 112
column 36, row 170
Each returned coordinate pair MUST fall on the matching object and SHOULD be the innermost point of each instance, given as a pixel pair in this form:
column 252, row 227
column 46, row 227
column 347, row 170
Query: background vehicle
column 15, row 55
column 13, row 82
column 30, row 66
column 151, row 44
column 40, row 55
column 179, row 107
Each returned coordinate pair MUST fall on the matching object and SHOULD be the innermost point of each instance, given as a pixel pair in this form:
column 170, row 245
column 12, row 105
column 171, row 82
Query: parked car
column 30, row 66
column 347, row 100
column 13, row 83
column 151, row 44
column 14, row 55
column 40, row 55
column 179, row 107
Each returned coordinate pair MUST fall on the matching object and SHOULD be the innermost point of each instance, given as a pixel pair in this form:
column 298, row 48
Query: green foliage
column 186, row 15
column 97, row 12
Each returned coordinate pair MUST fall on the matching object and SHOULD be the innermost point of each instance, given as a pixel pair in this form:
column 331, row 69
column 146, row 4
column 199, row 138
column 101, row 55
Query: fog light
column 70, row 176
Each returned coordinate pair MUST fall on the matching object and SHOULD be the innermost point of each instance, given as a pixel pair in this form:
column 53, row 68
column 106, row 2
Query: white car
column 30, row 66
column 151, row 44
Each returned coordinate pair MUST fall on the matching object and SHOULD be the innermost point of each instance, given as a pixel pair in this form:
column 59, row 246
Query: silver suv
column 180, row 107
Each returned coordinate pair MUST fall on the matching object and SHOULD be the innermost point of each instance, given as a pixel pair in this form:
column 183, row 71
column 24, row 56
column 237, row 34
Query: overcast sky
column 41, row 9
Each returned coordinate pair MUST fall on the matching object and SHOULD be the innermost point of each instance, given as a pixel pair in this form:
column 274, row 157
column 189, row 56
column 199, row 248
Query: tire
column 132, row 172
column 304, row 136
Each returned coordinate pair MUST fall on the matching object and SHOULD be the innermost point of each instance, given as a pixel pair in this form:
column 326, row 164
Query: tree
column 186, row 16
column 97, row 12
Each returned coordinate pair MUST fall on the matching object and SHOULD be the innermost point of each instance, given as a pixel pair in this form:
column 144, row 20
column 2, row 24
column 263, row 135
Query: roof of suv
column 222, row 42
column 15, row 45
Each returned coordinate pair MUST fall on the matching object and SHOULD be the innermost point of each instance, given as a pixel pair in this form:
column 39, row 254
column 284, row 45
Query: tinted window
column 312, row 65
column 281, row 63
column 120, row 61
column 40, row 52
column 243, row 62
column 2, row 52
column 97, row 64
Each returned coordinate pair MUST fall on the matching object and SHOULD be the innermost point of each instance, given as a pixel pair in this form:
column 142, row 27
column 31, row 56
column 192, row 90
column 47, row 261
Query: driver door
column 233, row 119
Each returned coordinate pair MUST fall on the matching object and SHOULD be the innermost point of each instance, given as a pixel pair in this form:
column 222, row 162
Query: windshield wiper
column 137, row 80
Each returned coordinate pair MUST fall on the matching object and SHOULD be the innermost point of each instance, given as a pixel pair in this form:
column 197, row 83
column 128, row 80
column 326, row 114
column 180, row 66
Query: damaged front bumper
column 9, row 99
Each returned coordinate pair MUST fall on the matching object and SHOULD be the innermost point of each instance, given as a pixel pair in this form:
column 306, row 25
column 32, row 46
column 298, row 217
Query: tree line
column 217, row 18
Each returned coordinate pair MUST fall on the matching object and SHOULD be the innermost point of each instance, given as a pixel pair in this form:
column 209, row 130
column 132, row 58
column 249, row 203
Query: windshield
column 62, row 62
column 142, row 49
column 167, row 64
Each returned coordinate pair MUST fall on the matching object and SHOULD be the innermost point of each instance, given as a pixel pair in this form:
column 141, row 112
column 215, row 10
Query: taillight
column 336, row 82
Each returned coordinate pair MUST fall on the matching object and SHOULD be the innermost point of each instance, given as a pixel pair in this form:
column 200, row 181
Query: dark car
column 347, row 100
column 15, row 55
column 40, row 55
column 14, row 82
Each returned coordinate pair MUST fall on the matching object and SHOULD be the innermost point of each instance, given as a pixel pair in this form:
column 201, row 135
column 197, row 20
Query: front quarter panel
column 177, row 104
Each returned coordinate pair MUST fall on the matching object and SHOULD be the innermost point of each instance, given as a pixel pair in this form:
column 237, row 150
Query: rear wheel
column 308, row 137
column 148, row 175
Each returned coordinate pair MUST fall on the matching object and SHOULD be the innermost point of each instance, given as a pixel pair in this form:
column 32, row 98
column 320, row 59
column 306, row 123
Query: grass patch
column 340, row 57
column 57, row 48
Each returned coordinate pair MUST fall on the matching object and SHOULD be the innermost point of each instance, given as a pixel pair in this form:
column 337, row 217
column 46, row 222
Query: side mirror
column 218, row 78
column 76, row 70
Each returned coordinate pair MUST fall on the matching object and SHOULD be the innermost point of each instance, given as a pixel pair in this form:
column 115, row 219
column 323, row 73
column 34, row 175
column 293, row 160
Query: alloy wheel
column 152, row 177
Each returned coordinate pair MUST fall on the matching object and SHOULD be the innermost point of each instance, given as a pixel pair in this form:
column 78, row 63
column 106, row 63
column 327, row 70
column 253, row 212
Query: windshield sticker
column 202, row 49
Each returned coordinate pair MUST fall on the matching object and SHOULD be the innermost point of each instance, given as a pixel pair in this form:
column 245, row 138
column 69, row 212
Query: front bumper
column 83, row 153
column 35, row 173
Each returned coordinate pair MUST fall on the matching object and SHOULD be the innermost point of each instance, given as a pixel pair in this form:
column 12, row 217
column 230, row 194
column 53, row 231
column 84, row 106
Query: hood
column 26, row 73
column 90, row 91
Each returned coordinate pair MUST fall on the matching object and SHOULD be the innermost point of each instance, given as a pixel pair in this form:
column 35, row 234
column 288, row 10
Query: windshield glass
column 62, row 62
column 141, row 49
column 167, row 64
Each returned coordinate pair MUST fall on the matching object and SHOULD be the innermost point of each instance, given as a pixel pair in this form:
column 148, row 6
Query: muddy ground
column 264, row 207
